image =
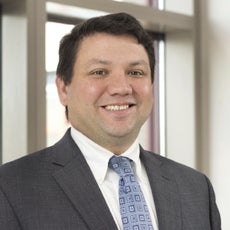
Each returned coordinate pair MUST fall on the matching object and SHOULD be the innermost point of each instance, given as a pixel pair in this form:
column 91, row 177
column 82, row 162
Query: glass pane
column 178, row 6
column 54, row 33
column 56, row 121
column 139, row 2
column 152, row 3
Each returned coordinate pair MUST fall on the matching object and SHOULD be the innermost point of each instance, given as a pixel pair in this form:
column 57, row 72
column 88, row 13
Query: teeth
column 116, row 107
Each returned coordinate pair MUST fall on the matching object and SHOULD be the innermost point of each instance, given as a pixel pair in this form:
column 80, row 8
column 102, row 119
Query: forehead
column 104, row 44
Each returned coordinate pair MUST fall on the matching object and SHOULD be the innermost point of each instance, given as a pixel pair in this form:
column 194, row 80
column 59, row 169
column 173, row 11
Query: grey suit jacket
column 54, row 189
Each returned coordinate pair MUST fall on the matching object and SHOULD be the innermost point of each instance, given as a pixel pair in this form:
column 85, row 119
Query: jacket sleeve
column 215, row 220
column 8, row 219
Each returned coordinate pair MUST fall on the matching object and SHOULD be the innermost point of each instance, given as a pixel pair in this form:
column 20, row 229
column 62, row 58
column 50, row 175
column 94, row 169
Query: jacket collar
column 165, row 191
column 75, row 178
column 77, row 181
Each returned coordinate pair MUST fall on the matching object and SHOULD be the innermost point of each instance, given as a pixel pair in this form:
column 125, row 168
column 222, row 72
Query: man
column 105, row 80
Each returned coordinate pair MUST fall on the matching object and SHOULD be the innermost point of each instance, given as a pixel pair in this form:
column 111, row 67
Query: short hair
column 115, row 24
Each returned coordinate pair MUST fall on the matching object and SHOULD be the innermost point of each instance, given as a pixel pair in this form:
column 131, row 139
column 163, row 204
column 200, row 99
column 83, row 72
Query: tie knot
column 121, row 165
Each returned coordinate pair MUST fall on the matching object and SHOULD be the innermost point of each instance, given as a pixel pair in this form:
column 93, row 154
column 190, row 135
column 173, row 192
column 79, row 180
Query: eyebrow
column 139, row 62
column 98, row 61
column 107, row 62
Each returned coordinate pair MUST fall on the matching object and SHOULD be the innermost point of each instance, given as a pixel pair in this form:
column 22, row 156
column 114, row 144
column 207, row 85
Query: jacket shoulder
column 25, row 164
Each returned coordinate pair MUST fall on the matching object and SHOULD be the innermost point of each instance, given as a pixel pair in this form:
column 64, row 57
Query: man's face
column 110, row 95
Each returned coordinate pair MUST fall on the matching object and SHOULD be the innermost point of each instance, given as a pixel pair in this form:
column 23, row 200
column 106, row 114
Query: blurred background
column 190, row 120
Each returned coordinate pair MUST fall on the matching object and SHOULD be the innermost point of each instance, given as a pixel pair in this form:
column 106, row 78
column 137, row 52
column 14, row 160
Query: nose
column 119, row 84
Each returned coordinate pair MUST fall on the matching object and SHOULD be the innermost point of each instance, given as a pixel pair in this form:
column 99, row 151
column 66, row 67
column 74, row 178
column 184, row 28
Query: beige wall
column 198, row 103
column 215, row 93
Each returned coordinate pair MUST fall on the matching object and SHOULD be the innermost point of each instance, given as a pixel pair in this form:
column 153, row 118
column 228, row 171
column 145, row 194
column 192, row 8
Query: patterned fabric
column 133, row 208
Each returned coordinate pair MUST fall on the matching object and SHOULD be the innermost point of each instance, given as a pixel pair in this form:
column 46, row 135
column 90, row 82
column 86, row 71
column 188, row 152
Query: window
column 55, row 117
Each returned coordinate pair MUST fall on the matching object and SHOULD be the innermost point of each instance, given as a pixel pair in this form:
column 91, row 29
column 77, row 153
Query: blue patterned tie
column 133, row 208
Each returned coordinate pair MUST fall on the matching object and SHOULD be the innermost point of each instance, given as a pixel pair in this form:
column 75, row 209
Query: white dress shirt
column 97, row 158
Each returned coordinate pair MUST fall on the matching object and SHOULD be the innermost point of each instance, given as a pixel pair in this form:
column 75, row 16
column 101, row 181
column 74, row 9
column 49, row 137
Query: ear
column 62, row 90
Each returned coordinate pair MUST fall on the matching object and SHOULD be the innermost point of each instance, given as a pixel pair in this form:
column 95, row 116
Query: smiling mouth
column 117, row 107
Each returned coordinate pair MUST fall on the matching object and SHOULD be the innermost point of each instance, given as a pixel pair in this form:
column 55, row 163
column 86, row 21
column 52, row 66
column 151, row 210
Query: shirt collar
column 98, row 157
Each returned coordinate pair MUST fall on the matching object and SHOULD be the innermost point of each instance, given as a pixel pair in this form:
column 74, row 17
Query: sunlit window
column 151, row 3
column 56, row 121
column 139, row 2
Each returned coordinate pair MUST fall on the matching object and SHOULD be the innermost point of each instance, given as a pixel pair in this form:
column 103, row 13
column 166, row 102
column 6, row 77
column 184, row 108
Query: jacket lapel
column 165, row 192
column 77, row 181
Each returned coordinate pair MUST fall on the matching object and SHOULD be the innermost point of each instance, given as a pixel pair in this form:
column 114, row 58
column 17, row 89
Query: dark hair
column 117, row 24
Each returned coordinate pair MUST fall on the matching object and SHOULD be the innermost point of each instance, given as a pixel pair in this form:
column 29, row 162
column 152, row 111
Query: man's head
column 106, row 81
column 115, row 24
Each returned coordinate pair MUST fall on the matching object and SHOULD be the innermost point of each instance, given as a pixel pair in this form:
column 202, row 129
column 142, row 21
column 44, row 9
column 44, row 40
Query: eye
column 136, row 73
column 99, row 72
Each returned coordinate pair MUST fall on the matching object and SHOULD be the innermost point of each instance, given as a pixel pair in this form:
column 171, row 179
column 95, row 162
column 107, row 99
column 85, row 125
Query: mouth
column 117, row 107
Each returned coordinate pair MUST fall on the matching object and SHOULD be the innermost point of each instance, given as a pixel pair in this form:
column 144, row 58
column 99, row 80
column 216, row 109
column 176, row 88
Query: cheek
column 147, row 99
column 86, row 93
column 145, row 91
